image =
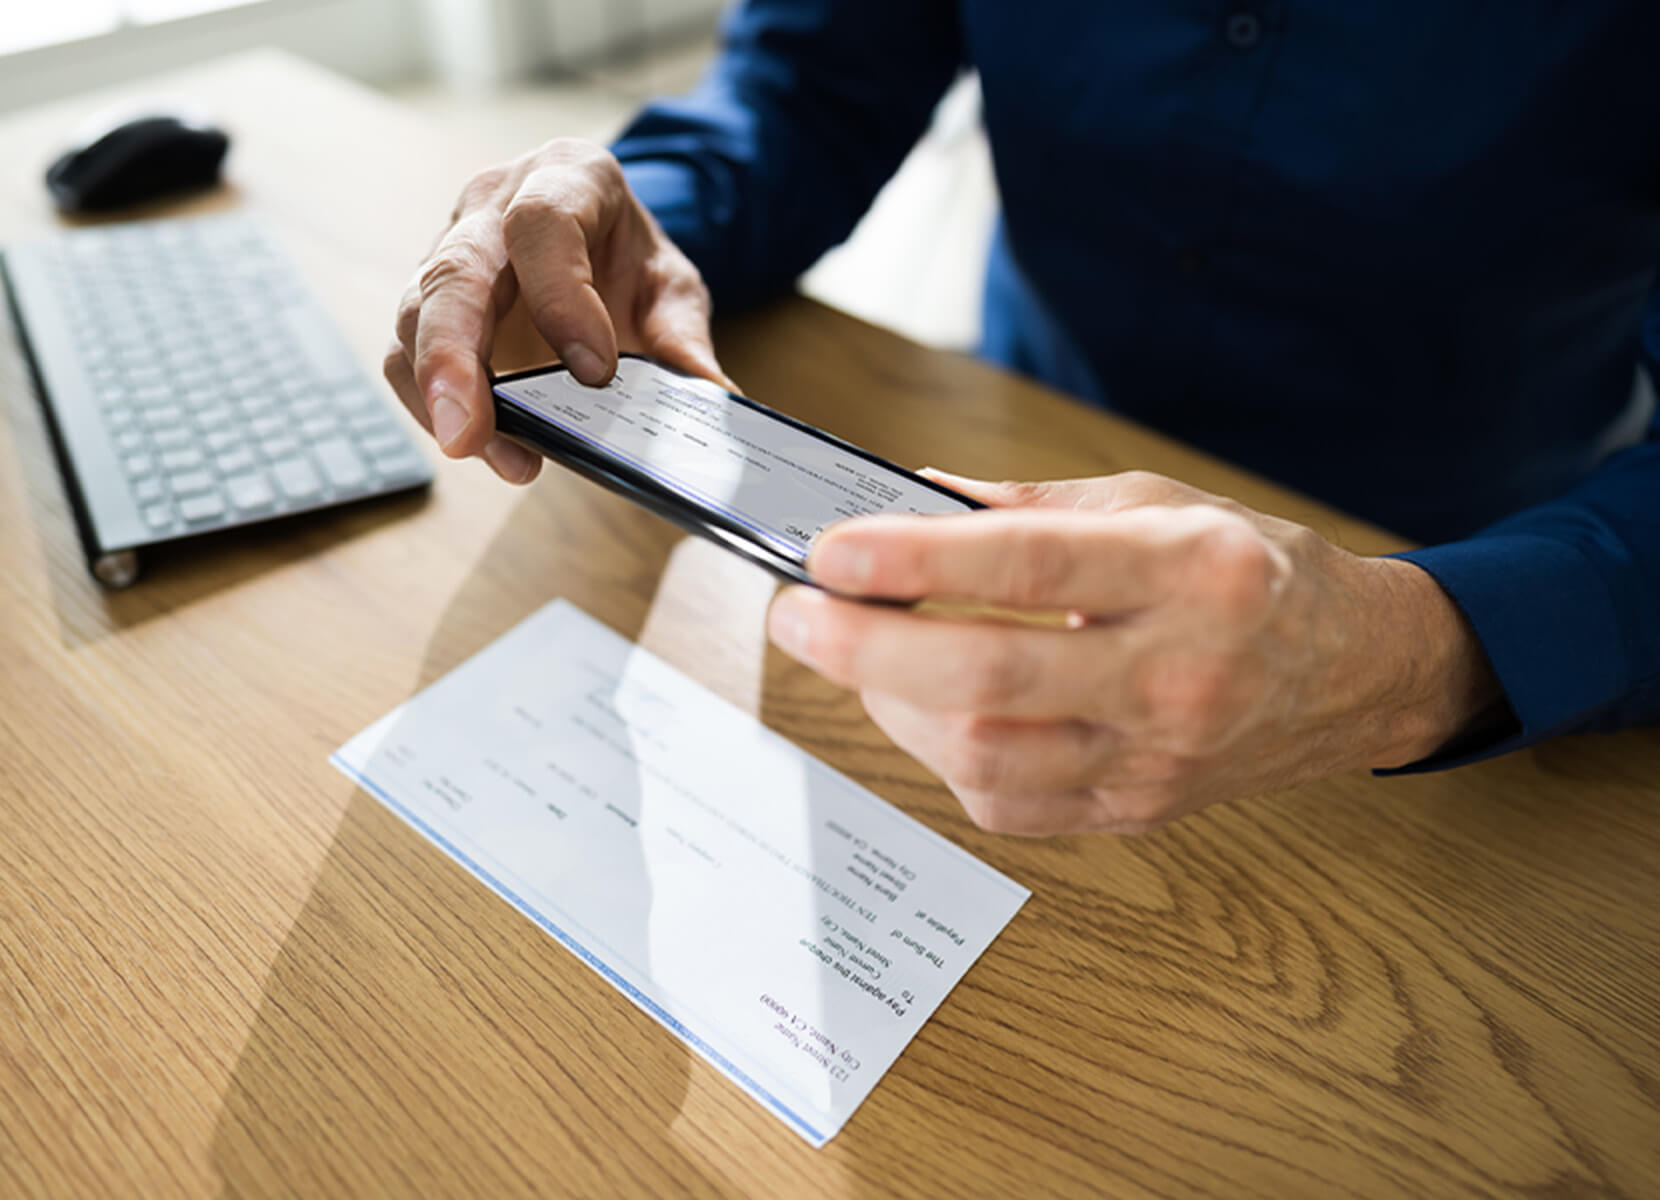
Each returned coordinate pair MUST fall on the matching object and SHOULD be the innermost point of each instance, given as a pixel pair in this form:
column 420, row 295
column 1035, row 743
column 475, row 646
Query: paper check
column 789, row 925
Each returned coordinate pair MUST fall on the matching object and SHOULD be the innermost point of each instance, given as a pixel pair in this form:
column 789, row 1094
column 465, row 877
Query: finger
column 996, row 755
column 511, row 461
column 995, row 670
column 1058, row 493
column 1097, row 564
column 1050, row 815
column 1041, row 778
column 409, row 318
column 401, row 375
column 558, row 214
column 1130, row 812
column 456, row 325
column 999, row 756
column 675, row 326
column 1103, row 493
column 487, row 192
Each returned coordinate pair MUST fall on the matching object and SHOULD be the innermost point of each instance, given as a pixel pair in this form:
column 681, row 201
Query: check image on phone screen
column 781, row 483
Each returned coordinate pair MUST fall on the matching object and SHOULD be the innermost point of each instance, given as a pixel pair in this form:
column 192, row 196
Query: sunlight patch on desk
column 705, row 587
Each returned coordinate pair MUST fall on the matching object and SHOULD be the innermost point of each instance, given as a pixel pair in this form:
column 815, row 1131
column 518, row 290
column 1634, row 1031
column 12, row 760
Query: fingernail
column 583, row 363
column 449, row 419
column 787, row 625
column 842, row 563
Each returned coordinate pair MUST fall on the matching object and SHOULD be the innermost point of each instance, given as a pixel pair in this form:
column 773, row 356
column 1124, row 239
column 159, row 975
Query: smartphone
column 714, row 463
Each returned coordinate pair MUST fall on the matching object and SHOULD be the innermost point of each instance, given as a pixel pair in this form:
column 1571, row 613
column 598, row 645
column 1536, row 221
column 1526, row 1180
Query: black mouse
column 137, row 160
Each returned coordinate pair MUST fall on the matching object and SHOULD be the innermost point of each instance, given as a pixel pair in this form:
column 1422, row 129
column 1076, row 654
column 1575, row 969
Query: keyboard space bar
column 321, row 344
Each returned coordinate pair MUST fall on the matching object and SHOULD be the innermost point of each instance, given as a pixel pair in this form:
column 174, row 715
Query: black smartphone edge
column 536, row 433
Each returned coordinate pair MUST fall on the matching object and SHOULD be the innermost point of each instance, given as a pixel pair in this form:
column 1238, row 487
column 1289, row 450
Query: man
column 1396, row 257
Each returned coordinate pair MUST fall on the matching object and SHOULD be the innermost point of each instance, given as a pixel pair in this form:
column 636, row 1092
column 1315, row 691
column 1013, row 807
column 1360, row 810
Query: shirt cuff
column 667, row 189
column 1548, row 625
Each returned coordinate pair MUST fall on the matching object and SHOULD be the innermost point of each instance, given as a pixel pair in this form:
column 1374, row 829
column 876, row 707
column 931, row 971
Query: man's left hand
column 1204, row 651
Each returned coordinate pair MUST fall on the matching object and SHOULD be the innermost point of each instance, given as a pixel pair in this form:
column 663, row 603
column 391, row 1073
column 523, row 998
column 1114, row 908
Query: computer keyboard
column 194, row 384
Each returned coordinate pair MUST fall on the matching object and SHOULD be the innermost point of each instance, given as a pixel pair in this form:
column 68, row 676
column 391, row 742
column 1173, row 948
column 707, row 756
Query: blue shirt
column 1398, row 256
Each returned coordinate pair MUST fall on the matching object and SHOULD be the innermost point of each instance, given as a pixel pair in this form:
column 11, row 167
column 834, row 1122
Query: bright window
column 27, row 25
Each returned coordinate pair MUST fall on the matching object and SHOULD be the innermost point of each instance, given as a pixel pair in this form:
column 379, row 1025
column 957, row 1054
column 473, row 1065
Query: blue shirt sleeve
column 809, row 108
column 812, row 104
column 1565, row 599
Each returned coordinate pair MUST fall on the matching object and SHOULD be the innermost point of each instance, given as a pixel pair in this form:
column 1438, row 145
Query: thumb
column 1099, row 493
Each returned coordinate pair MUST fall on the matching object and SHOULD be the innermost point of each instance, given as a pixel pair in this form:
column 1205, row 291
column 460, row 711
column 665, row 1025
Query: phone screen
column 782, row 482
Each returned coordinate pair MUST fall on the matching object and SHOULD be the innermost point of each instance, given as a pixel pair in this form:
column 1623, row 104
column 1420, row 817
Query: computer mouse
column 138, row 159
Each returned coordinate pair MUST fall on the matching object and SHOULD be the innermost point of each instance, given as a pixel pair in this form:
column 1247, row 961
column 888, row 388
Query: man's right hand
column 559, row 230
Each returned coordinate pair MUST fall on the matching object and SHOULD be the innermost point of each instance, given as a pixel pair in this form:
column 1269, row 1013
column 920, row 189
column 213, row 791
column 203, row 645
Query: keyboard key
column 129, row 441
column 164, row 416
column 220, row 440
column 234, row 462
column 133, row 359
column 367, row 422
column 172, row 439
column 203, row 507
column 139, row 464
column 250, row 493
column 265, row 427
column 359, row 400
column 399, row 465
column 158, row 516
column 182, row 460
column 281, row 446
column 297, row 478
column 342, row 464
column 198, row 378
column 319, row 427
column 388, row 442
column 146, row 491
column 229, row 348
column 320, row 344
column 188, row 482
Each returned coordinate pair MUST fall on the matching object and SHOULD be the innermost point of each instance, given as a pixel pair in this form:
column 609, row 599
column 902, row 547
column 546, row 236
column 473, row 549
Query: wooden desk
column 224, row 969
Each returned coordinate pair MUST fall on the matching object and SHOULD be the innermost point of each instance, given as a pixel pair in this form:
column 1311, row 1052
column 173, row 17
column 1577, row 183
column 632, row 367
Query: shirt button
column 1244, row 30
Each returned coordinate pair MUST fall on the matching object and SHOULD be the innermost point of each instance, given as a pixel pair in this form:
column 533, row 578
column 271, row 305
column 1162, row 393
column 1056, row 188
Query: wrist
column 1439, row 684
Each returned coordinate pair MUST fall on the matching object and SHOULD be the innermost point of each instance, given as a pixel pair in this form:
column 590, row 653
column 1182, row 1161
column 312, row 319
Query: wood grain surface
column 226, row 971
